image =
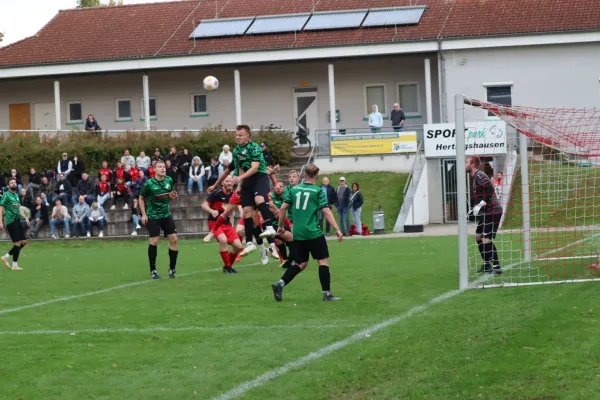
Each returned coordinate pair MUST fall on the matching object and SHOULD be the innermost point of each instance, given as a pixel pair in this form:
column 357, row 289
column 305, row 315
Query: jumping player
column 10, row 205
column 248, row 157
column 306, row 200
column 156, row 195
column 488, row 211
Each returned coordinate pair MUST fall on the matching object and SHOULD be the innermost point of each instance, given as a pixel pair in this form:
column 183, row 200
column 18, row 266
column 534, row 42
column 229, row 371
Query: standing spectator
column 143, row 162
column 136, row 187
column 356, row 202
column 375, row 120
column 185, row 161
column 171, row 171
column 195, row 175
column 342, row 204
column 105, row 171
column 120, row 191
column 17, row 176
column 398, row 118
column 35, row 181
column 91, row 125
column 136, row 217
column 226, row 155
column 97, row 218
column 134, row 174
column 40, row 217
column 85, row 188
column 60, row 216
column 65, row 166
column 48, row 191
column 173, row 157
column 120, row 172
column 267, row 154
column 214, row 172
column 64, row 190
column 81, row 214
column 127, row 160
column 157, row 156
column 78, row 170
column 102, row 191
column 331, row 200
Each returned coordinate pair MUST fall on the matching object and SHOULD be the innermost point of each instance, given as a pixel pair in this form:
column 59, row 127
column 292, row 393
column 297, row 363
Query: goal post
column 549, row 192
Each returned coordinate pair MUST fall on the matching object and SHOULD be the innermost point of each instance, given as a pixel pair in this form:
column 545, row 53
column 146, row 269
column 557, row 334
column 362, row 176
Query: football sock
column 266, row 214
column 226, row 259
column 12, row 251
column 325, row 278
column 488, row 250
column 16, row 255
column 282, row 250
column 220, row 220
column 152, row 250
column 173, row 258
column 232, row 258
column 270, row 240
column 480, row 246
column 495, row 255
column 257, row 231
column 249, row 229
column 290, row 274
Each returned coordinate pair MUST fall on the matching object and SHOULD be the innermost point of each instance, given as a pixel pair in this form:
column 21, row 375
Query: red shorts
column 226, row 230
column 235, row 198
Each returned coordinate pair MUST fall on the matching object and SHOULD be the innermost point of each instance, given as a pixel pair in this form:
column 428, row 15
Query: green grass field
column 82, row 321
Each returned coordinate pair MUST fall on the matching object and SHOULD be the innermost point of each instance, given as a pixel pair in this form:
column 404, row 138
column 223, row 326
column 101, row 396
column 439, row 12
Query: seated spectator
column 81, row 213
column 185, row 161
column 25, row 200
column 171, row 171
column 40, row 217
column 127, row 160
column 215, row 170
column 267, row 154
column 64, row 190
column 34, row 183
column 48, row 191
column 2, row 183
column 157, row 156
column 102, row 190
column 78, row 170
column 226, row 155
column 375, row 119
column 356, row 203
column 60, row 216
column 120, row 172
column 134, row 173
column 91, row 125
column 136, row 217
column 65, row 166
column 17, row 176
column 105, row 171
column 136, row 187
column 120, row 191
column 173, row 157
column 25, row 218
column 143, row 162
column 195, row 175
column 151, row 172
column 85, row 187
column 97, row 218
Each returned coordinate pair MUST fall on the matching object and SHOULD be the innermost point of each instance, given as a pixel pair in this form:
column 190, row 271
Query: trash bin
column 378, row 222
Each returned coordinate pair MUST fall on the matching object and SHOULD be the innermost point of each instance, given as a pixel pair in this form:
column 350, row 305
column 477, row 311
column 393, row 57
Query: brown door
column 19, row 116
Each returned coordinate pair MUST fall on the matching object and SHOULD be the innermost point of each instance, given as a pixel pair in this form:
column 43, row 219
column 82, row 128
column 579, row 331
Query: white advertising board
column 484, row 138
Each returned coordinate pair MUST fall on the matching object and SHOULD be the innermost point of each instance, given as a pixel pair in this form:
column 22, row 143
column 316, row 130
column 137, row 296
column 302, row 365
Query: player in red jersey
column 225, row 234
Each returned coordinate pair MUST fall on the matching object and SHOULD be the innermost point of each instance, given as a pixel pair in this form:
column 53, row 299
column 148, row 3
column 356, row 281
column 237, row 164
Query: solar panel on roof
column 394, row 16
column 278, row 23
column 335, row 20
column 221, row 27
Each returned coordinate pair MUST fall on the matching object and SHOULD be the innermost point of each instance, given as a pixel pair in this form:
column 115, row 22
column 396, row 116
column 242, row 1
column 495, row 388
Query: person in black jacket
column 398, row 118
column 331, row 198
column 17, row 176
column 85, row 187
column 39, row 217
column 64, row 189
column 78, row 170
column 171, row 171
column 342, row 202
column 34, row 183
column 356, row 203
column 185, row 162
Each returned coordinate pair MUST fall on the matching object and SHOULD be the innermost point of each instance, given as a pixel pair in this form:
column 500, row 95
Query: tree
column 88, row 3
column 1, row 36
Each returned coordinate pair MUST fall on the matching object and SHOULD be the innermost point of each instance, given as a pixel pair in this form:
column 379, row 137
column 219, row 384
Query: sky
column 23, row 18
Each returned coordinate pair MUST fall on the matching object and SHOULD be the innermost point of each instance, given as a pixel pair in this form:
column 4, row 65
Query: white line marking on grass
column 102, row 291
column 243, row 388
column 177, row 329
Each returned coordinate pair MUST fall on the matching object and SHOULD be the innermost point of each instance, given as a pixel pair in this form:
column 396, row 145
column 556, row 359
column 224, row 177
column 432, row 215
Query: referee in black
column 486, row 208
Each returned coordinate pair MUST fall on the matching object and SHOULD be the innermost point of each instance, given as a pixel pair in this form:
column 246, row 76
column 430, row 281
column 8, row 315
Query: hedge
column 26, row 150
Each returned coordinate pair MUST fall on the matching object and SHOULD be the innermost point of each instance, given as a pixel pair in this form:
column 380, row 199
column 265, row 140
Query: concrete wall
column 420, row 206
column 385, row 163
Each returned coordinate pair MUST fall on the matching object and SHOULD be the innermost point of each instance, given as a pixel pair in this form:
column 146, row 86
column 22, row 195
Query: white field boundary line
column 102, row 291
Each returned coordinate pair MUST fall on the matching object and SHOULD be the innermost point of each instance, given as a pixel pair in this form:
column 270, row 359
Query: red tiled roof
column 162, row 29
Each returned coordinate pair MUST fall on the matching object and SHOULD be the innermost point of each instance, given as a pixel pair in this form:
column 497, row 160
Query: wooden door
column 19, row 116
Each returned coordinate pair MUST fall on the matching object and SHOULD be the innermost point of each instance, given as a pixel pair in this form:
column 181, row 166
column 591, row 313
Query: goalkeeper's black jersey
column 482, row 188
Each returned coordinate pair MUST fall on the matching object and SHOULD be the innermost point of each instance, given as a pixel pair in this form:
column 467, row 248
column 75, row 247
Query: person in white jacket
column 375, row 119
column 196, row 174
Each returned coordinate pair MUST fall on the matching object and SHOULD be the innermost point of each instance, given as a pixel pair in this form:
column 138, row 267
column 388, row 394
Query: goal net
column 549, row 190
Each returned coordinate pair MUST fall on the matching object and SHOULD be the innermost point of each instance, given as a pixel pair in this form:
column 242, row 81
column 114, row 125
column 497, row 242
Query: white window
column 409, row 97
column 499, row 93
column 199, row 105
column 74, row 112
column 152, row 108
column 123, row 109
column 374, row 94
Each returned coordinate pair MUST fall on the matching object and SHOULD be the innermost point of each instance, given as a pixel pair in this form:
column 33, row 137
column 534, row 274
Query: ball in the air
column 211, row 83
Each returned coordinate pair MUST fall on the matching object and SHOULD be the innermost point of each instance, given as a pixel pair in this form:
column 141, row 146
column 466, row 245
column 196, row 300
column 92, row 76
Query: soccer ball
column 211, row 83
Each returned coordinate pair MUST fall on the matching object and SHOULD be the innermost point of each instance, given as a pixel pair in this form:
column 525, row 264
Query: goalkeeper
column 487, row 210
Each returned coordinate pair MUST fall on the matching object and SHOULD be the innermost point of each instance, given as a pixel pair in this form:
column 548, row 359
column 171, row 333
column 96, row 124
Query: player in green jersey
column 11, row 207
column 306, row 200
column 255, row 186
column 154, row 201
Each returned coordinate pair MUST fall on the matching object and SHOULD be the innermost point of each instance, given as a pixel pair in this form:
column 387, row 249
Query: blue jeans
column 356, row 215
column 398, row 128
column 55, row 221
column 344, row 218
column 64, row 199
column 137, row 220
column 102, row 199
column 191, row 185
column 82, row 225
column 327, row 225
column 99, row 224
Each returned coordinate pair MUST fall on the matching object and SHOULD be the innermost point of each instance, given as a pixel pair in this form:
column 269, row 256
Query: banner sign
column 373, row 143
column 484, row 138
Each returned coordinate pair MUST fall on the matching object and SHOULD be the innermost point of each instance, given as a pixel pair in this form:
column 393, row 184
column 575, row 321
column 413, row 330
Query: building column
column 332, row 114
column 146, row 87
column 57, row 105
column 428, row 101
column 238, row 97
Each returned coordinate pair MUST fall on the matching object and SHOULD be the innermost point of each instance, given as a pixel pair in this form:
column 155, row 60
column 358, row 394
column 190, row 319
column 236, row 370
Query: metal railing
column 108, row 132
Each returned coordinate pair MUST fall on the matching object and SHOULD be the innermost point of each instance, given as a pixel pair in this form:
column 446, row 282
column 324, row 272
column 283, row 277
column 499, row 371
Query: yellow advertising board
column 373, row 143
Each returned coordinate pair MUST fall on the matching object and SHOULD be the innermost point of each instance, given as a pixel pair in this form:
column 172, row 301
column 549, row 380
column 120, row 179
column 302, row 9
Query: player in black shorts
column 11, row 207
column 488, row 211
column 156, row 194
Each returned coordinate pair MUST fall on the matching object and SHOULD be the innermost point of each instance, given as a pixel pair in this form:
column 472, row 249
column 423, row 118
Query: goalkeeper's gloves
column 475, row 211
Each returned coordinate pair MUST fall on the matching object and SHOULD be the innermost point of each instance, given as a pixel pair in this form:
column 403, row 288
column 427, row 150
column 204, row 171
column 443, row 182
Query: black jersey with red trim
column 217, row 200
